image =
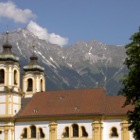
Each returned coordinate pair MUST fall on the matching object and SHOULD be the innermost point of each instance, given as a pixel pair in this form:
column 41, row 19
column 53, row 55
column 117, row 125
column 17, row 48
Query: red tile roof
column 114, row 106
column 73, row 102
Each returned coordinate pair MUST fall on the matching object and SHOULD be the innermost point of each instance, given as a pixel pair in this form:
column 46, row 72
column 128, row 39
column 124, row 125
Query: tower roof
column 7, row 54
column 33, row 65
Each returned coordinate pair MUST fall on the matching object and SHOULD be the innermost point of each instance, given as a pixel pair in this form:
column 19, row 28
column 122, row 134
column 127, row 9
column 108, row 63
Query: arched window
column 41, row 85
column 33, row 131
column 42, row 135
column 66, row 132
column 30, row 85
column 1, row 76
column 75, row 130
column 15, row 77
column 114, row 132
column 24, row 134
column 84, row 133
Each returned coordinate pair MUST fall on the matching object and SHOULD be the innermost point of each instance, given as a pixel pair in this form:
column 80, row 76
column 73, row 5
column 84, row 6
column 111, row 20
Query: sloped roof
column 73, row 102
column 114, row 106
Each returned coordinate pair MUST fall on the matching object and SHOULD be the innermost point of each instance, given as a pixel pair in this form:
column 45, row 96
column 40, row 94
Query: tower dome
column 33, row 65
column 7, row 54
column 9, row 66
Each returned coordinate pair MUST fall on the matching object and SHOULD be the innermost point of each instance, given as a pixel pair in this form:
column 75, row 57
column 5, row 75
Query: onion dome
column 33, row 65
column 7, row 54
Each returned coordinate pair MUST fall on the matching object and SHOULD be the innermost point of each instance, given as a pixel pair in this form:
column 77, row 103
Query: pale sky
column 64, row 22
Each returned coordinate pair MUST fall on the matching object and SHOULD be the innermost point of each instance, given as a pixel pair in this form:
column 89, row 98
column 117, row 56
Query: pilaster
column 97, row 130
column 12, row 133
column 125, row 131
column 53, row 131
column 6, row 133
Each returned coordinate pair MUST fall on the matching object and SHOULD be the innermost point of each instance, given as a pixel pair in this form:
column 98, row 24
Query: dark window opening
column 30, row 85
column 15, row 77
column 84, row 133
column 66, row 132
column 42, row 135
column 24, row 135
column 114, row 132
column 75, row 130
column 41, row 84
column 2, row 76
column 33, row 131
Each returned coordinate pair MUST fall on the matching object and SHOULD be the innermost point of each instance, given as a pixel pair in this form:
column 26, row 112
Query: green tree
column 131, row 83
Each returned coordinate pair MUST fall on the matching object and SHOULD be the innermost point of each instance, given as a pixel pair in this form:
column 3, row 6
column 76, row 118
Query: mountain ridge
column 82, row 65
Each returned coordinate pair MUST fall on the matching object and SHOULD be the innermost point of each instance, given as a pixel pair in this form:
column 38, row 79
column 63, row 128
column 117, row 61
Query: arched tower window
column 41, row 85
column 30, row 85
column 33, row 131
column 75, row 130
column 1, row 76
column 15, row 77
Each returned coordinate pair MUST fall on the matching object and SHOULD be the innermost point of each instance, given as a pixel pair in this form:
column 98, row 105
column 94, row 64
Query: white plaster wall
column 29, row 75
column 15, row 108
column 9, row 108
column 2, row 109
column 2, row 88
column 107, row 125
column 28, row 96
column 2, row 135
column 2, row 66
column 19, row 126
column 16, row 89
column 10, row 98
column 62, row 124
column 15, row 99
column 2, row 98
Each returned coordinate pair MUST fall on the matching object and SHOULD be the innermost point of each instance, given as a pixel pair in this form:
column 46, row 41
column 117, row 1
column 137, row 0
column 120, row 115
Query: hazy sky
column 65, row 22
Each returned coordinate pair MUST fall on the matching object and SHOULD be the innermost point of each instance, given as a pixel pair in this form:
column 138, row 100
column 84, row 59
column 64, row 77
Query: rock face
column 83, row 65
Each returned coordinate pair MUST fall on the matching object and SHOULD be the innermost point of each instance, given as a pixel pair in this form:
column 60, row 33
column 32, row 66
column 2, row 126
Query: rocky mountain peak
column 86, row 64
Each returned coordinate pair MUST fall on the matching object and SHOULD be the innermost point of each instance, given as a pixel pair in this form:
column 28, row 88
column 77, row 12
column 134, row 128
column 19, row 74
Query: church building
column 33, row 113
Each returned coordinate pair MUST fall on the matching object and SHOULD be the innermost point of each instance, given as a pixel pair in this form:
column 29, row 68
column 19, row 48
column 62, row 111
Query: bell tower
column 9, row 66
column 10, row 92
column 33, row 77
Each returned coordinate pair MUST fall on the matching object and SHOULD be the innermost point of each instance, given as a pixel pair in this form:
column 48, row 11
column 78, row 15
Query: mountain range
column 85, row 64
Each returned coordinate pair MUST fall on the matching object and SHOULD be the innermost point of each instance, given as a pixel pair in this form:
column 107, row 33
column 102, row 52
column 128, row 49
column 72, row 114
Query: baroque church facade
column 32, row 113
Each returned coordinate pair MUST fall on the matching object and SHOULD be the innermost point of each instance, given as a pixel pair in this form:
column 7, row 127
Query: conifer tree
column 131, row 83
